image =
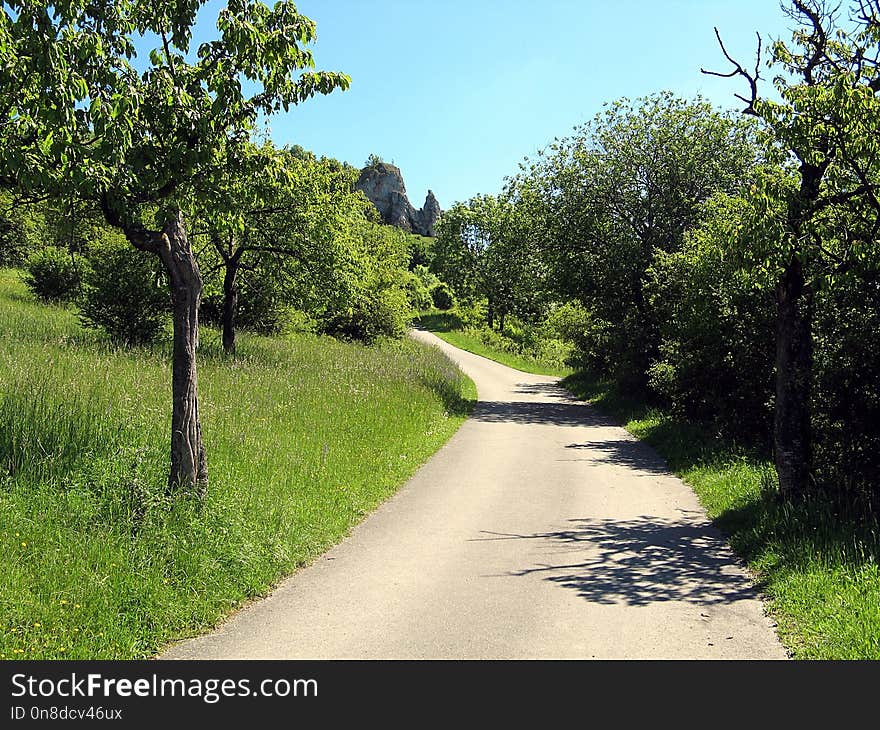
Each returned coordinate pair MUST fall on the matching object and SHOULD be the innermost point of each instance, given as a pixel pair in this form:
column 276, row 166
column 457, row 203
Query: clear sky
column 457, row 92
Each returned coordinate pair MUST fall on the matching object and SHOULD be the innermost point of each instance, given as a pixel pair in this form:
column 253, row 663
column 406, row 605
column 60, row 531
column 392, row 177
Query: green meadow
column 305, row 436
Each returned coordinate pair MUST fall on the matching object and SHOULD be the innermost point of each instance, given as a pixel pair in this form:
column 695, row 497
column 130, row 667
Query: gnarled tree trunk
column 794, row 365
column 792, row 436
column 189, row 466
column 230, row 303
column 189, row 463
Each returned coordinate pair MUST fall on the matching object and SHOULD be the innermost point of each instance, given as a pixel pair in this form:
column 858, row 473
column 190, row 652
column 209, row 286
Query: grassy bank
column 490, row 344
column 305, row 435
column 818, row 568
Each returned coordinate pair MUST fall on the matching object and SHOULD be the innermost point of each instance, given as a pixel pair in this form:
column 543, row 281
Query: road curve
column 540, row 530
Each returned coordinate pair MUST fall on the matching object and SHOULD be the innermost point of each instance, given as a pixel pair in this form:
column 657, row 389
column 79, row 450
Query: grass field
column 817, row 568
column 305, row 436
column 446, row 327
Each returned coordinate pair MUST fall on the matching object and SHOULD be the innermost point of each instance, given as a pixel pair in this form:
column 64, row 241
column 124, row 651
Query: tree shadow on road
column 638, row 562
column 528, row 412
column 623, row 452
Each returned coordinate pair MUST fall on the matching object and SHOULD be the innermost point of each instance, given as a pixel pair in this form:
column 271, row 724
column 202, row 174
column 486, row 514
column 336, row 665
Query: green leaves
column 85, row 122
column 822, row 203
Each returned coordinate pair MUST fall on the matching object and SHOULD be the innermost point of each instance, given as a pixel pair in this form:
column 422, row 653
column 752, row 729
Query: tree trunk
column 501, row 322
column 490, row 314
column 794, row 364
column 230, row 304
column 189, row 468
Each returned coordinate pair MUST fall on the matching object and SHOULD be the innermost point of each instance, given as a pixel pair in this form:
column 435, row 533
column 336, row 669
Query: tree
column 479, row 252
column 821, row 214
column 78, row 119
column 621, row 188
column 288, row 230
column 281, row 214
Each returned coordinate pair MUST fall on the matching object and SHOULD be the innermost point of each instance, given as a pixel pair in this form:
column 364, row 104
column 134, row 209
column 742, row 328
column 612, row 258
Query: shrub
column 23, row 230
column 371, row 315
column 370, row 297
column 846, row 390
column 715, row 359
column 442, row 297
column 591, row 338
column 124, row 292
column 420, row 251
column 417, row 293
column 472, row 314
column 261, row 309
column 53, row 274
column 428, row 278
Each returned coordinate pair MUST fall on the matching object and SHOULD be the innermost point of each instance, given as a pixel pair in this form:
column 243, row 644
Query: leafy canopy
column 80, row 112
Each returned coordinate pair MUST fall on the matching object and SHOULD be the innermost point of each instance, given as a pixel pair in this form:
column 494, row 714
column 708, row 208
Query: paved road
column 541, row 529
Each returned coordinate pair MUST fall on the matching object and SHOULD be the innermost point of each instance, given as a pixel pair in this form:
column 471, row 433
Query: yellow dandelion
column 37, row 624
column 24, row 544
column 63, row 602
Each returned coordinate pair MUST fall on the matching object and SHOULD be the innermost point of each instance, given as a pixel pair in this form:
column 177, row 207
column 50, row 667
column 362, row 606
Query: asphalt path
column 540, row 530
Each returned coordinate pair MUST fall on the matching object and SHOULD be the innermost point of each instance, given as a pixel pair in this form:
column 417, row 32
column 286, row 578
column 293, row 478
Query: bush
column 370, row 298
column 846, row 390
column 261, row 309
column 715, row 361
column 23, row 231
column 417, row 293
column 442, row 297
column 124, row 292
column 53, row 274
column 428, row 277
column 591, row 338
column 420, row 251
column 472, row 314
column 372, row 314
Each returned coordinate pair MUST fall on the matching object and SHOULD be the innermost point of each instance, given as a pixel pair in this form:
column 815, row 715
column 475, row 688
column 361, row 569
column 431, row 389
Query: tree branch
column 738, row 70
column 138, row 235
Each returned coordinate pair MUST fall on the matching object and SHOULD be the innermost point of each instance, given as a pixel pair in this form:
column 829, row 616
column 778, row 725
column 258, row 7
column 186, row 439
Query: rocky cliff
column 383, row 185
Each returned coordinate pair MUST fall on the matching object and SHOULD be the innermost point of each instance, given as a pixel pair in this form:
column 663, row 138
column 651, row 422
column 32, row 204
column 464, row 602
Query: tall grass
column 305, row 435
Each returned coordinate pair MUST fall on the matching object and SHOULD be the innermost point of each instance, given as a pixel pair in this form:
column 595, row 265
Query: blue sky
column 457, row 92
